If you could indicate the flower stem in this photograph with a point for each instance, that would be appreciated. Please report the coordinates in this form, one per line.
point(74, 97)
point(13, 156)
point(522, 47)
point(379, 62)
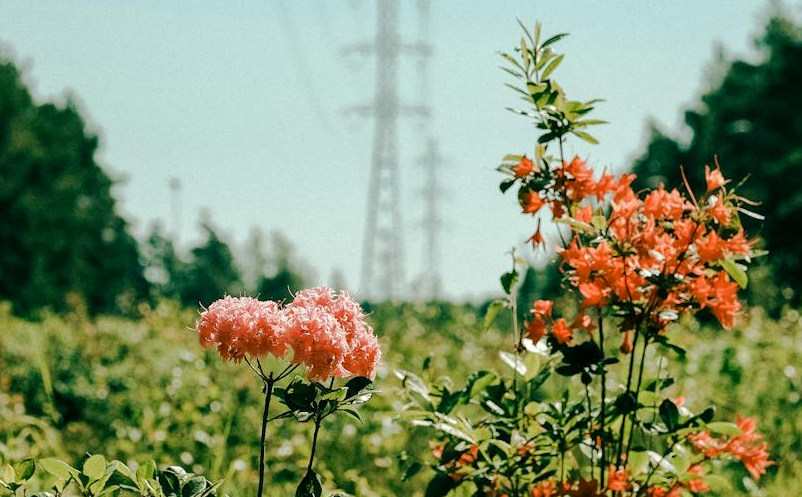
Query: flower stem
point(629, 390)
point(602, 403)
point(314, 443)
point(637, 393)
point(268, 394)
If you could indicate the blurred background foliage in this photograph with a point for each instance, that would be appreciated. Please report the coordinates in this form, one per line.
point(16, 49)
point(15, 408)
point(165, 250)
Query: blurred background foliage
point(97, 354)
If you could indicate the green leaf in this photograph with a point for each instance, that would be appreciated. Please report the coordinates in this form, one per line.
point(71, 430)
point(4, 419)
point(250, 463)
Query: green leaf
point(512, 158)
point(351, 412)
point(669, 414)
point(536, 88)
point(585, 136)
point(590, 122)
point(193, 487)
point(357, 386)
point(95, 467)
point(58, 468)
point(552, 66)
point(492, 311)
point(637, 461)
point(310, 486)
point(717, 483)
point(478, 382)
point(146, 471)
point(579, 226)
point(508, 280)
point(681, 461)
point(735, 271)
point(8, 474)
point(506, 185)
point(453, 431)
point(440, 486)
point(513, 361)
point(414, 383)
point(724, 428)
point(411, 470)
point(24, 469)
point(553, 39)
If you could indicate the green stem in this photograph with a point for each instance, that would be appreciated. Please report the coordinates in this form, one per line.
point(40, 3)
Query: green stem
point(637, 393)
point(318, 419)
point(603, 403)
point(590, 427)
point(629, 390)
point(268, 395)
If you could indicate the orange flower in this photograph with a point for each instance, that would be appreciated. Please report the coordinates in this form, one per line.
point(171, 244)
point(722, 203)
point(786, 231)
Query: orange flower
point(537, 240)
point(585, 214)
point(618, 479)
point(738, 244)
point(724, 303)
point(626, 344)
point(714, 178)
point(542, 308)
point(720, 213)
point(697, 485)
point(524, 168)
point(469, 456)
point(547, 488)
point(593, 294)
point(746, 447)
point(531, 202)
point(712, 248)
point(561, 331)
point(661, 204)
point(583, 322)
point(536, 328)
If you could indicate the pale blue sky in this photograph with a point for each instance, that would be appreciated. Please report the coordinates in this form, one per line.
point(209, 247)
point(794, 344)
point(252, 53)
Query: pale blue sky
point(243, 102)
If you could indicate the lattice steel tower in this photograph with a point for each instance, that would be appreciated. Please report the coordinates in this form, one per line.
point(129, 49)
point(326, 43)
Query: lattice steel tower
point(382, 276)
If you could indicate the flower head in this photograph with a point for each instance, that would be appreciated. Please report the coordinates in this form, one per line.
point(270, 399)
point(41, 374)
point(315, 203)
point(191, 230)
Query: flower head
point(240, 326)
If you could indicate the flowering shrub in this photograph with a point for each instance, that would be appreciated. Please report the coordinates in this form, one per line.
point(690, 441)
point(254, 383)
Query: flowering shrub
point(326, 332)
point(634, 263)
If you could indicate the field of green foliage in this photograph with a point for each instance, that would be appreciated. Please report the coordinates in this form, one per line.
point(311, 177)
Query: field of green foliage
point(144, 389)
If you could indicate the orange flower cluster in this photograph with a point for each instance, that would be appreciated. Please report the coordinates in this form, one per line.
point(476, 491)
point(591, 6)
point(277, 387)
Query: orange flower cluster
point(467, 458)
point(655, 256)
point(745, 447)
point(561, 331)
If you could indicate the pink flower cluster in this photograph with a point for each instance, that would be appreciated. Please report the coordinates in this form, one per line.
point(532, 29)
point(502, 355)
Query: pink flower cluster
point(327, 332)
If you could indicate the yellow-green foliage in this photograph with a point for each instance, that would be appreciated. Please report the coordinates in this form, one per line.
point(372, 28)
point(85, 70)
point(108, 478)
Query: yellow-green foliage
point(136, 390)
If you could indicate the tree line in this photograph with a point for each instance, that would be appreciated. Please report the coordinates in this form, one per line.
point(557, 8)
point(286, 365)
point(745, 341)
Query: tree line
point(63, 243)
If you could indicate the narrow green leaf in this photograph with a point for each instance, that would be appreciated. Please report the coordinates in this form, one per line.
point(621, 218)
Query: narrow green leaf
point(554, 39)
point(552, 66)
point(492, 311)
point(724, 428)
point(585, 136)
point(735, 271)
